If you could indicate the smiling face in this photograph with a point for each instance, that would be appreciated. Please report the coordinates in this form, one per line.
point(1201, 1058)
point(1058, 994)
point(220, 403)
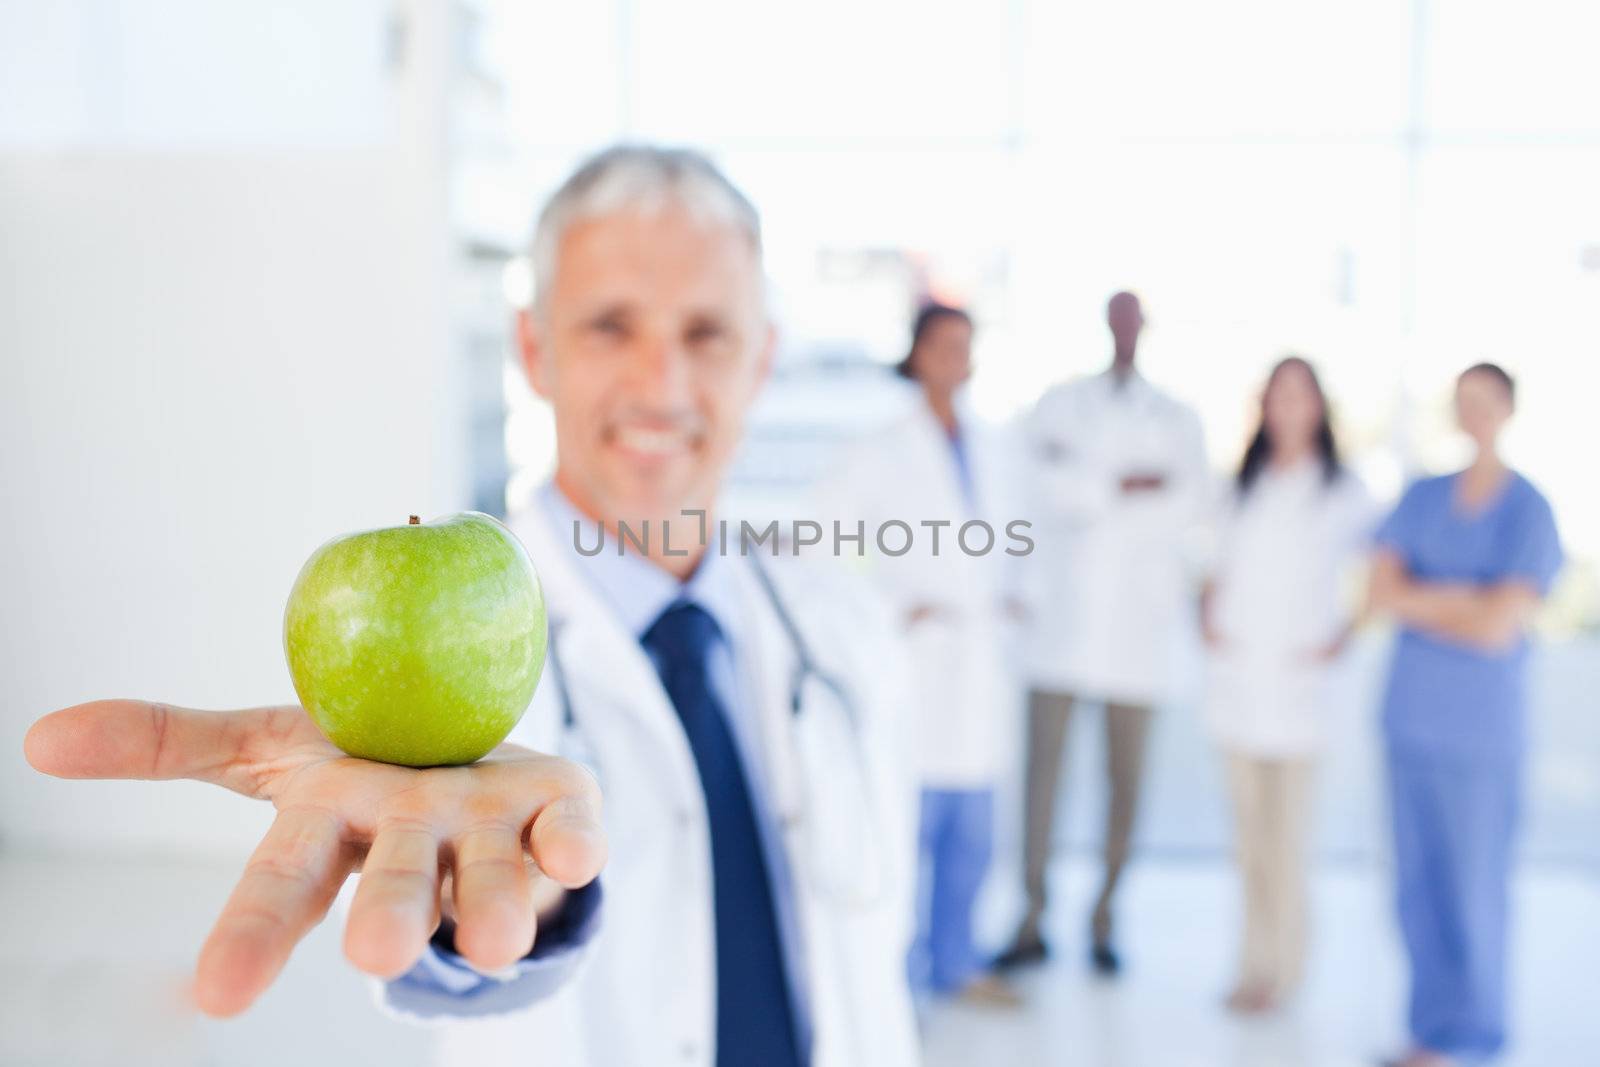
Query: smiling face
point(650, 343)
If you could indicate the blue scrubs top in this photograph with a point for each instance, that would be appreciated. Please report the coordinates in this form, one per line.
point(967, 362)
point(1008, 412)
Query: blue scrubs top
point(1445, 698)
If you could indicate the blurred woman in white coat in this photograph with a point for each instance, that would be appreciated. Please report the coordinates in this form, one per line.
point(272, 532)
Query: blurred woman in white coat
point(942, 473)
point(1276, 614)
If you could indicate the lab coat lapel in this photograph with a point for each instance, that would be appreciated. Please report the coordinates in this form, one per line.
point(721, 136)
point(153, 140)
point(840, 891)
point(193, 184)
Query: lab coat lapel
point(770, 671)
point(601, 660)
point(936, 465)
point(773, 661)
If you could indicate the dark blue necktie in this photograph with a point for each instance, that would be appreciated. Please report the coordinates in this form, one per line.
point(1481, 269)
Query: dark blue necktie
point(755, 1019)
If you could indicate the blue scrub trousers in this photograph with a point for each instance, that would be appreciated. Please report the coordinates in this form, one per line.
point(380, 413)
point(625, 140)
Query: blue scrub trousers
point(956, 840)
point(1455, 821)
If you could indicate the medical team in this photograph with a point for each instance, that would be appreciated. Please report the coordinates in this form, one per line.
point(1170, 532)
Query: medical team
point(787, 769)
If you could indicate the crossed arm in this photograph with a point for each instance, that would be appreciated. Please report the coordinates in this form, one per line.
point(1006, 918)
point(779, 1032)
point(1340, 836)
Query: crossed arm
point(491, 844)
point(1489, 617)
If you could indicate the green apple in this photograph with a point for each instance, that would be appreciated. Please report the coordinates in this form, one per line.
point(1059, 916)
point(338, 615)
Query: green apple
point(419, 644)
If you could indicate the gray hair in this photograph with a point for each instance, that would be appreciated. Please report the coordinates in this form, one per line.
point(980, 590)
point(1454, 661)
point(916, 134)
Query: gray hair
point(641, 178)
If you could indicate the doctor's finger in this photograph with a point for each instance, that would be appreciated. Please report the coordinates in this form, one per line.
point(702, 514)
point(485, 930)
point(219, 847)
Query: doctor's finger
point(286, 889)
point(140, 739)
point(568, 841)
point(492, 896)
point(396, 906)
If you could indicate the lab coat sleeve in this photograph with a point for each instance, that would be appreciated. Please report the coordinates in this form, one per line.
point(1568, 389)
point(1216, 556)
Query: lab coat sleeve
point(1066, 483)
point(859, 494)
point(842, 496)
point(1360, 515)
point(877, 667)
point(442, 985)
point(888, 741)
point(1213, 542)
point(1193, 492)
point(1192, 485)
point(1009, 512)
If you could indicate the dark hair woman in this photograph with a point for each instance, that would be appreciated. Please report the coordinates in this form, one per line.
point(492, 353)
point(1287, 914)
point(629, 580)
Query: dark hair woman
point(1274, 619)
point(1293, 391)
point(940, 361)
point(930, 322)
point(938, 465)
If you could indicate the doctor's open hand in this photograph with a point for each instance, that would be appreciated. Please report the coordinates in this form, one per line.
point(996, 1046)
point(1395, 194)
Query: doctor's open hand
point(493, 826)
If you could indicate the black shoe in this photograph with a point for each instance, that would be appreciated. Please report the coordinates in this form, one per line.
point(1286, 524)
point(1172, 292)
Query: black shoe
point(1021, 954)
point(1104, 959)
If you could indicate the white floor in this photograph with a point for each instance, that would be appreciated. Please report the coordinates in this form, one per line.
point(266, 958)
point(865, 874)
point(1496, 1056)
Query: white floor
point(95, 955)
point(1177, 922)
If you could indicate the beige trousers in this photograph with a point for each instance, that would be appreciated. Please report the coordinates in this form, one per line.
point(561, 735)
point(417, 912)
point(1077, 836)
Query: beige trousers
point(1271, 803)
point(1127, 727)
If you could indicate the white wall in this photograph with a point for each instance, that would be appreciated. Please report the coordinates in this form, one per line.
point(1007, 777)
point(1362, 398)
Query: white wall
point(211, 360)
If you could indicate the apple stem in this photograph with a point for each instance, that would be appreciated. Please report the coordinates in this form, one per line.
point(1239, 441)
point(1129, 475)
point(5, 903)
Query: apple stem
point(415, 521)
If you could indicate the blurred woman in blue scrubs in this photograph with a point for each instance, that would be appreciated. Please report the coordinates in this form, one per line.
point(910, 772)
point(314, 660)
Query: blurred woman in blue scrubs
point(1462, 563)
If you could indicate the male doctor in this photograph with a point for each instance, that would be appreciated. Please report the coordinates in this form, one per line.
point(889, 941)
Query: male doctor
point(755, 908)
point(1119, 476)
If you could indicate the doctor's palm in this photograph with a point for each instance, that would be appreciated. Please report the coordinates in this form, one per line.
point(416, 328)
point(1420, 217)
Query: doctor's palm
point(494, 825)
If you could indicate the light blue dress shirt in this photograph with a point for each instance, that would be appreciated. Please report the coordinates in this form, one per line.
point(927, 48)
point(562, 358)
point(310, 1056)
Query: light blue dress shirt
point(638, 592)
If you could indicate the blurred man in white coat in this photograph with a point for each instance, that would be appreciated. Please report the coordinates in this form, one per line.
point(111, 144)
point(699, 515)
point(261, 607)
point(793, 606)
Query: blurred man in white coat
point(756, 902)
point(1118, 478)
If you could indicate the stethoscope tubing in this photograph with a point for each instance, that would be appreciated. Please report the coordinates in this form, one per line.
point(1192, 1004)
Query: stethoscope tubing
point(805, 664)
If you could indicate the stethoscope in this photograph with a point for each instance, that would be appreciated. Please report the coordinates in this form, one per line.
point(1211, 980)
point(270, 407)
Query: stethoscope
point(838, 825)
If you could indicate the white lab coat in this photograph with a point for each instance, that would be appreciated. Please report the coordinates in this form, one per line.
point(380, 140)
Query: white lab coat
point(646, 994)
point(1282, 592)
point(1109, 583)
point(965, 694)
